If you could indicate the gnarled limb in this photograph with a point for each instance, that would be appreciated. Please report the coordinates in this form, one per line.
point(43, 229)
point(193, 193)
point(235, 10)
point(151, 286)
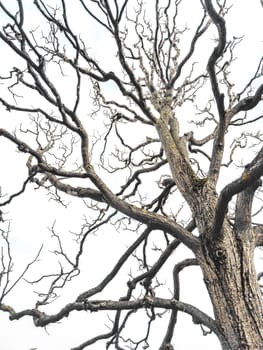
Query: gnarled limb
point(167, 340)
point(251, 175)
point(218, 145)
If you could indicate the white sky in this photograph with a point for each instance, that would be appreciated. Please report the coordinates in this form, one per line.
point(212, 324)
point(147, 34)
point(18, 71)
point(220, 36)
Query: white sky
point(30, 231)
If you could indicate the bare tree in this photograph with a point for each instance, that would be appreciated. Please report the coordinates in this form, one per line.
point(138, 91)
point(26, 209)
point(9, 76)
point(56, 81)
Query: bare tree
point(112, 129)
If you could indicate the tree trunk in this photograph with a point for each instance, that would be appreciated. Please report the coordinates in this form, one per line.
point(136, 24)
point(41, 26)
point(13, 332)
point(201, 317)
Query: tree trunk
point(226, 256)
point(230, 277)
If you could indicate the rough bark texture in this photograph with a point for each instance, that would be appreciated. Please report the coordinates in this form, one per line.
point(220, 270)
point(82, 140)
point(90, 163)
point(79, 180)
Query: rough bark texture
point(225, 257)
point(232, 284)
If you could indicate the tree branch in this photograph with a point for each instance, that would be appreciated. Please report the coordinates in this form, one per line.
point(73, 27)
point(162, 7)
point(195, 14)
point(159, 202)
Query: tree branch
point(87, 294)
point(146, 217)
point(199, 32)
point(258, 231)
point(41, 319)
point(247, 103)
point(250, 177)
point(218, 146)
point(173, 318)
point(244, 201)
point(216, 54)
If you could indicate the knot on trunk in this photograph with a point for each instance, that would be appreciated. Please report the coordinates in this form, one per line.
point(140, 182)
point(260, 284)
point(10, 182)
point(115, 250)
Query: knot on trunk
point(216, 252)
point(220, 255)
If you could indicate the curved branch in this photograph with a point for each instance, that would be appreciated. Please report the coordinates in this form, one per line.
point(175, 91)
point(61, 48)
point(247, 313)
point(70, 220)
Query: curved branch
point(22, 146)
point(81, 192)
point(218, 51)
point(247, 103)
point(14, 195)
point(94, 340)
point(11, 107)
point(142, 215)
point(154, 220)
point(148, 276)
point(216, 54)
point(250, 177)
point(41, 319)
point(173, 318)
point(199, 32)
point(50, 173)
point(85, 295)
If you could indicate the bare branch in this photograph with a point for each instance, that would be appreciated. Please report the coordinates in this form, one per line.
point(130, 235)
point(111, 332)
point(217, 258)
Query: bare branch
point(216, 54)
point(250, 177)
point(167, 340)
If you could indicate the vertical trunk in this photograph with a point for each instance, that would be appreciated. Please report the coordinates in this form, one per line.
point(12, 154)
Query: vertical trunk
point(231, 281)
point(226, 259)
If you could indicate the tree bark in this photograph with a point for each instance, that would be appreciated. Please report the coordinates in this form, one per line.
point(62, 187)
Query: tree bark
point(226, 256)
point(231, 281)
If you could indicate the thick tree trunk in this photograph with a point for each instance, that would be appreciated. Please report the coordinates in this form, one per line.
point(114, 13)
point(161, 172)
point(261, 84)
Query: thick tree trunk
point(231, 281)
point(225, 257)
